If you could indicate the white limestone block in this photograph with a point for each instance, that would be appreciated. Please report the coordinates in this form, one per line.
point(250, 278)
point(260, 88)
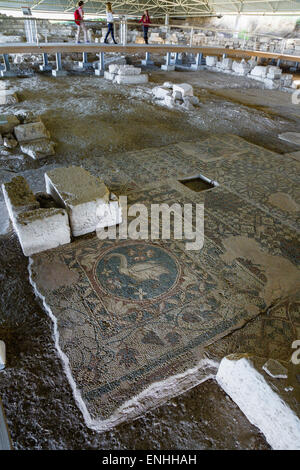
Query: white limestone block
point(259, 71)
point(272, 84)
point(184, 88)
point(32, 131)
point(129, 70)
point(266, 402)
point(18, 197)
point(83, 196)
point(131, 79)
point(38, 148)
point(2, 355)
point(113, 68)
point(211, 61)
point(42, 229)
point(8, 97)
point(160, 92)
point(241, 68)
point(109, 75)
point(177, 95)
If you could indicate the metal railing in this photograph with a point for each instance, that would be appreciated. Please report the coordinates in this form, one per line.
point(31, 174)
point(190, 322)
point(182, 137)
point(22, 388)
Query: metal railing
point(130, 32)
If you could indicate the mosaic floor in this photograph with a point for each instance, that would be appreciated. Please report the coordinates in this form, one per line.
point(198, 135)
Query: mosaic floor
point(132, 313)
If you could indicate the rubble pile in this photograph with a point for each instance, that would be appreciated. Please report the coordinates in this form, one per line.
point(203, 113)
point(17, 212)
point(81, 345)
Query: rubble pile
point(26, 132)
point(179, 96)
point(272, 76)
point(125, 74)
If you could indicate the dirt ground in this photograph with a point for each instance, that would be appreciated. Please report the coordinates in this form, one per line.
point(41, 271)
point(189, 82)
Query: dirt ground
point(89, 116)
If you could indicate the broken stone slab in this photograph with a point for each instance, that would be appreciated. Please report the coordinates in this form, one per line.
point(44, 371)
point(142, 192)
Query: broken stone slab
point(168, 85)
point(131, 79)
point(31, 131)
point(2, 355)
point(274, 72)
point(184, 88)
point(18, 197)
point(7, 123)
point(259, 71)
point(268, 403)
point(292, 137)
point(160, 92)
point(177, 95)
point(287, 79)
point(38, 149)
point(83, 195)
point(42, 229)
point(8, 97)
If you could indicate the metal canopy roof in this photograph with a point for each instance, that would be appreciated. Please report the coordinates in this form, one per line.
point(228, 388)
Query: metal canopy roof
point(183, 8)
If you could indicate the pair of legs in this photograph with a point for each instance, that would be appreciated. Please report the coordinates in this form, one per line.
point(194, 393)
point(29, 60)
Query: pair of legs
point(145, 30)
point(110, 31)
point(81, 27)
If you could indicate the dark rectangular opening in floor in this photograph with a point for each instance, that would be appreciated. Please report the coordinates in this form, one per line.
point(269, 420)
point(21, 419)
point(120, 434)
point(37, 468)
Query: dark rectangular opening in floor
point(198, 183)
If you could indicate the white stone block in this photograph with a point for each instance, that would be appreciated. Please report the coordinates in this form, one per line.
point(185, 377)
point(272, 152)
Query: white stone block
point(184, 88)
point(127, 70)
point(287, 79)
point(42, 229)
point(32, 131)
point(259, 71)
point(160, 92)
point(113, 68)
point(83, 195)
point(109, 75)
point(131, 79)
point(266, 402)
point(38, 149)
point(241, 68)
point(18, 197)
point(211, 61)
point(2, 355)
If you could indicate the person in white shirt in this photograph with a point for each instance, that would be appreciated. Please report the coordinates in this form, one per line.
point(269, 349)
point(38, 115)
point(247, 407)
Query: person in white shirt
point(79, 15)
point(110, 23)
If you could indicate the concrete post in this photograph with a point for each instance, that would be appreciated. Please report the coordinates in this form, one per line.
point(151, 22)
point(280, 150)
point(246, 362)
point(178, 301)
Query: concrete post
point(167, 66)
point(7, 72)
point(84, 64)
point(198, 64)
point(147, 60)
point(99, 72)
point(59, 72)
point(46, 66)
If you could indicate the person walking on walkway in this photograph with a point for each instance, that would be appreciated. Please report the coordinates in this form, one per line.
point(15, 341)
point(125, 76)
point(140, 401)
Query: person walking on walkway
point(146, 21)
point(110, 23)
point(79, 20)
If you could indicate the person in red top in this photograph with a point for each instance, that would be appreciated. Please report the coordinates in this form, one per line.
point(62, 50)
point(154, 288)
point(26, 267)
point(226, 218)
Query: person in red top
point(146, 21)
point(78, 16)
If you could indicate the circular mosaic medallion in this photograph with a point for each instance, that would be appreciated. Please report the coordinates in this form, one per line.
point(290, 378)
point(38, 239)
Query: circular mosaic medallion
point(137, 271)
